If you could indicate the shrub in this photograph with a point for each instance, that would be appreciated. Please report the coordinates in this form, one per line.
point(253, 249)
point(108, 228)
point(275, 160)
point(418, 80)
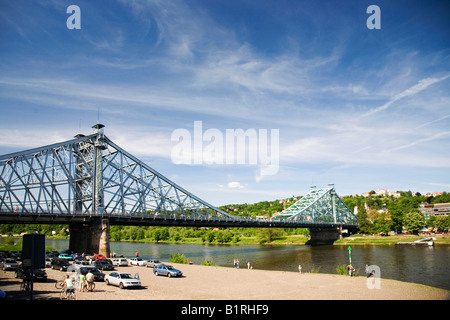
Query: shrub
point(342, 269)
point(207, 262)
point(178, 258)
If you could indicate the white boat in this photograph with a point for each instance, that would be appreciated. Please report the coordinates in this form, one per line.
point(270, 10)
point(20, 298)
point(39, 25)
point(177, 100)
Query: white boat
point(418, 242)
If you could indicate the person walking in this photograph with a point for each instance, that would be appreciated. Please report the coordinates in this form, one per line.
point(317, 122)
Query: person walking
point(350, 269)
point(82, 281)
point(368, 274)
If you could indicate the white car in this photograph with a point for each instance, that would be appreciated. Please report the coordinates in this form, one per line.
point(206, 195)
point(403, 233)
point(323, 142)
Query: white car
point(119, 262)
point(137, 262)
point(122, 279)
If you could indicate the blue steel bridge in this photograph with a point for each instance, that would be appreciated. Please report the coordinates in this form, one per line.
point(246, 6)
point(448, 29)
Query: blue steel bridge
point(89, 182)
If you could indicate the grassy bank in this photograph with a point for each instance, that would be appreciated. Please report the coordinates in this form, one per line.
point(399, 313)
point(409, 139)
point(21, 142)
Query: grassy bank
point(388, 240)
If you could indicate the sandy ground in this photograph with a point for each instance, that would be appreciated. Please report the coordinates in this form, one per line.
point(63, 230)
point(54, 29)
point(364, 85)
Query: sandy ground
point(220, 283)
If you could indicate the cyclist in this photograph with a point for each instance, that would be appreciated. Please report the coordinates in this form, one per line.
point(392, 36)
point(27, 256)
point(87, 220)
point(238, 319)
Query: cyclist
point(68, 284)
point(27, 277)
point(89, 279)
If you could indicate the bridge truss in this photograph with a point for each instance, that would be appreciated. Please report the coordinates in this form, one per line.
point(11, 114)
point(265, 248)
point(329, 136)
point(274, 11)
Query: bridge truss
point(90, 175)
point(322, 206)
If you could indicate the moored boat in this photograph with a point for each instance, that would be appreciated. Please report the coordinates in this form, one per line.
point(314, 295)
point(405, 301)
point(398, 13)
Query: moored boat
point(418, 242)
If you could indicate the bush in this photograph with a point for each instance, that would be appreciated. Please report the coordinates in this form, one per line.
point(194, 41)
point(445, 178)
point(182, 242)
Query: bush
point(342, 269)
point(314, 269)
point(207, 262)
point(178, 258)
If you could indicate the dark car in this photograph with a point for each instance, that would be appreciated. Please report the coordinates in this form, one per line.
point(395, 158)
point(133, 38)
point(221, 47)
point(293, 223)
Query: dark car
point(104, 264)
point(38, 274)
point(98, 275)
point(60, 264)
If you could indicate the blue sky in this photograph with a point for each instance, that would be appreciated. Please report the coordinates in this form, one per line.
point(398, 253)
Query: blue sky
point(363, 109)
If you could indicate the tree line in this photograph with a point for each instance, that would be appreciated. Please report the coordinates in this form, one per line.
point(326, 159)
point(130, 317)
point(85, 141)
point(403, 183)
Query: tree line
point(382, 214)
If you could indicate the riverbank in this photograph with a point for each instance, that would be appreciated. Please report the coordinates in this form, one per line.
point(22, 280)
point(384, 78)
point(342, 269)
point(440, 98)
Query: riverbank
point(222, 283)
point(440, 239)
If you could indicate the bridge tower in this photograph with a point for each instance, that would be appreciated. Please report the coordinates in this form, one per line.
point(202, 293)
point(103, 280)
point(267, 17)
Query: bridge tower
point(92, 236)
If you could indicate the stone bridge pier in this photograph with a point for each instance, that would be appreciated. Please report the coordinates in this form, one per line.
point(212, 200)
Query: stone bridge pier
point(90, 237)
point(321, 236)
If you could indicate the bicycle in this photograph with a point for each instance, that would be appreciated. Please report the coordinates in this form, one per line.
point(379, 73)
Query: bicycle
point(59, 284)
point(90, 286)
point(69, 295)
point(25, 285)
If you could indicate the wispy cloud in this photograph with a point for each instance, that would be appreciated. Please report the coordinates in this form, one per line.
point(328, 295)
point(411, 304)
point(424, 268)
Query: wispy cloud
point(420, 141)
point(422, 85)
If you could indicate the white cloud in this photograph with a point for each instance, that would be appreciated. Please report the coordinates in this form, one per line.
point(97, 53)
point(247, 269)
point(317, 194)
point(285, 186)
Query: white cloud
point(235, 185)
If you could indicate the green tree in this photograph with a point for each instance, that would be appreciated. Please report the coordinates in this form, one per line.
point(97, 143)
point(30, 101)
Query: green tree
point(268, 234)
point(210, 236)
point(414, 221)
point(381, 224)
point(442, 223)
point(397, 215)
point(364, 224)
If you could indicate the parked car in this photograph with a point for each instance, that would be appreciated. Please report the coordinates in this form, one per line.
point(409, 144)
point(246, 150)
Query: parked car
point(98, 256)
point(9, 264)
point(38, 274)
point(166, 270)
point(98, 275)
point(122, 279)
point(152, 262)
point(48, 262)
point(60, 264)
point(137, 262)
point(120, 262)
point(104, 264)
point(81, 263)
point(65, 256)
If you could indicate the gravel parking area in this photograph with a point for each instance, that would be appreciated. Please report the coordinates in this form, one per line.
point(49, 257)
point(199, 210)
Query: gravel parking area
point(216, 283)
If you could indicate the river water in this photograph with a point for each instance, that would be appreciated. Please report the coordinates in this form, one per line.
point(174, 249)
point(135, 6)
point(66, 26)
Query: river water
point(425, 265)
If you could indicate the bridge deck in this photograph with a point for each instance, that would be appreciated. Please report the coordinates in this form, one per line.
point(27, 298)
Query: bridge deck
point(161, 220)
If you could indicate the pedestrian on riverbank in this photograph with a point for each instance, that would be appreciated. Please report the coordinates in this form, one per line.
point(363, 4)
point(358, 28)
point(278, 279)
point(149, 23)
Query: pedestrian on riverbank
point(368, 274)
point(350, 269)
point(300, 268)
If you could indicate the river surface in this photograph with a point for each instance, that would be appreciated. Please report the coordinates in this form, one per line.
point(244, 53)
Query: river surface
point(425, 265)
